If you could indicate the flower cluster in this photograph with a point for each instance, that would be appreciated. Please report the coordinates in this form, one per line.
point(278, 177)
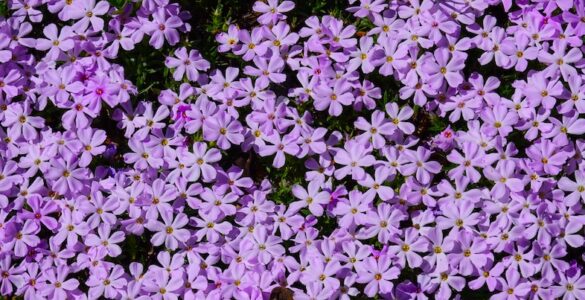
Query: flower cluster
point(105, 194)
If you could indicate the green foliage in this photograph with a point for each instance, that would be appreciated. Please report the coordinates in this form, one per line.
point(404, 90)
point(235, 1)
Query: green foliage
point(3, 8)
point(118, 3)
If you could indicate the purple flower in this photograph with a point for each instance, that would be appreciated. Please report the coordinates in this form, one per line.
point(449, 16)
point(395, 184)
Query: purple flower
point(92, 143)
point(143, 157)
point(407, 249)
point(463, 180)
point(163, 285)
point(202, 160)
point(287, 221)
point(252, 45)
point(513, 286)
point(272, 11)
point(211, 227)
point(561, 59)
point(577, 188)
point(279, 146)
point(490, 276)
point(160, 195)
point(216, 203)
point(354, 157)
point(263, 246)
point(499, 120)
point(163, 27)
point(18, 117)
point(55, 284)
point(310, 197)
point(353, 211)
point(106, 239)
point(40, 211)
point(171, 231)
point(420, 165)
point(383, 223)
point(11, 275)
point(459, 217)
point(362, 56)
point(322, 273)
point(107, 284)
point(224, 130)
point(229, 39)
point(376, 130)
point(377, 274)
point(190, 63)
point(66, 176)
point(88, 12)
point(447, 281)
point(20, 238)
point(71, 228)
point(333, 97)
point(542, 89)
point(440, 67)
point(267, 70)
point(56, 43)
point(503, 177)
point(397, 116)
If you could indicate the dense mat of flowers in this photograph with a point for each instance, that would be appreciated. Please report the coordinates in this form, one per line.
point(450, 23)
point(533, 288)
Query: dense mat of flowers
point(492, 205)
